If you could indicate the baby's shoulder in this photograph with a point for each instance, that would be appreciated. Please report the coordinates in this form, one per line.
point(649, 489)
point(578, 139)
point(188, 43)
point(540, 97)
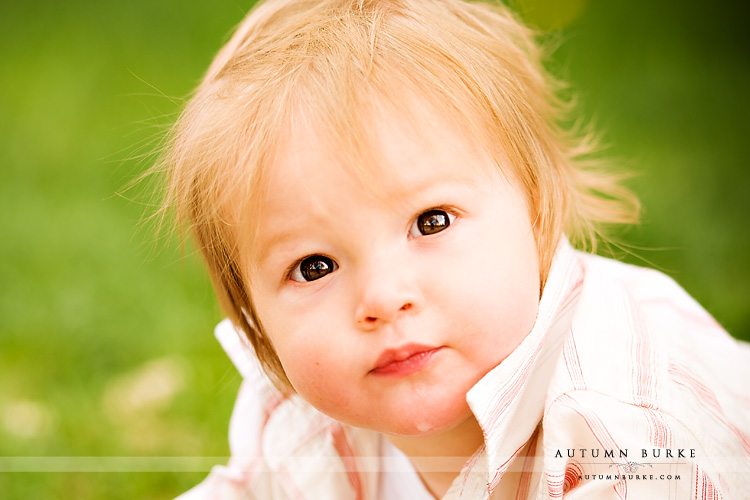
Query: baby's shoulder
point(622, 303)
point(649, 288)
point(640, 349)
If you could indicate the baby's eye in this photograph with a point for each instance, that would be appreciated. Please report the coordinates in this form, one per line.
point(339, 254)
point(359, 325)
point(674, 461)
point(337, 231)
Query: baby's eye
point(431, 222)
point(313, 268)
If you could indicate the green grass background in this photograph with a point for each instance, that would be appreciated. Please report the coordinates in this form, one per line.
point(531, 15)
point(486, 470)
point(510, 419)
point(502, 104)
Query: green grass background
point(91, 305)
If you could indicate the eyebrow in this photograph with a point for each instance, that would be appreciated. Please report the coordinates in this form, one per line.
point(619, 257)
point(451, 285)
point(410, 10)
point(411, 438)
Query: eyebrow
point(277, 239)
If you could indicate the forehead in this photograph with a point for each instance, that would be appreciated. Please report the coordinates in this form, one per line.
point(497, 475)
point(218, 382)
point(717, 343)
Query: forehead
point(382, 147)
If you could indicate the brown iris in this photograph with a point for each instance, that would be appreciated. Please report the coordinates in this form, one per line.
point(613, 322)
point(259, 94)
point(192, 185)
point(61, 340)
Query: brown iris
point(432, 222)
point(315, 267)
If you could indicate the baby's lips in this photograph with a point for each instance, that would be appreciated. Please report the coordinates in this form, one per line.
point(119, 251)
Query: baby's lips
point(403, 360)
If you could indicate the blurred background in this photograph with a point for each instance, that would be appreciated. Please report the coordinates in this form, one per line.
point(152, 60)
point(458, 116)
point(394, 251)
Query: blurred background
point(106, 345)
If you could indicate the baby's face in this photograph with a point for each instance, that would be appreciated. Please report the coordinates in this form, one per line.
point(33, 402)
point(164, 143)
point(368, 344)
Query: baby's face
point(386, 304)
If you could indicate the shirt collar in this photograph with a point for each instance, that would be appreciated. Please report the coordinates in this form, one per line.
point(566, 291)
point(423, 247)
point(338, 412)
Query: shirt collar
point(509, 401)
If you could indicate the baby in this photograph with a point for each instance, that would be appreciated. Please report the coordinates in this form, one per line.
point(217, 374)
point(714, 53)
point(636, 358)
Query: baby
point(384, 198)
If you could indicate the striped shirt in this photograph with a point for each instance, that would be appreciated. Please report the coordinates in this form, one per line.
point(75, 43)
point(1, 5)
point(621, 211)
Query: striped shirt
point(624, 389)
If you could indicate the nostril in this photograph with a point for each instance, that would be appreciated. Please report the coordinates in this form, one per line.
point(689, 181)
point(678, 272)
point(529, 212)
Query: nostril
point(383, 314)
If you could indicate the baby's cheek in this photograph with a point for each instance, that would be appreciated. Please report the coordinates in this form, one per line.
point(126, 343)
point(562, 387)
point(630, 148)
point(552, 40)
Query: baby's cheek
point(302, 366)
point(315, 378)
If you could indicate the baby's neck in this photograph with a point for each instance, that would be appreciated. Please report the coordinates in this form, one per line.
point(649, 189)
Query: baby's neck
point(439, 458)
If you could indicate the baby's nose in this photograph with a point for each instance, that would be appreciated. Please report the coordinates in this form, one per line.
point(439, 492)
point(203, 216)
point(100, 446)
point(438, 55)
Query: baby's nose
point(385, 298)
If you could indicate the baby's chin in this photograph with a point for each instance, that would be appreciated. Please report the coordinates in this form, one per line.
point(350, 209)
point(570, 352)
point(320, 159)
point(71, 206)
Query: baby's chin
point(413, 410)
point(429, 420)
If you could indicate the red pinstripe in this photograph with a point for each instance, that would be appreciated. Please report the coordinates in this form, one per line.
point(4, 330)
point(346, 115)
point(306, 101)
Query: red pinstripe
point(272, 405)
point(704, 487)
point(707, 399)
point(573, 363)
point(469, 466)
point(600, 432)
point(504, 467)
point(348, 456)
point(644, 369)
point(642, 359)
point(660, 433)
point(701, 319)
point(290, 484)
point(572, 474)
point(696, 482)
point(524, 482)
point(555, 484)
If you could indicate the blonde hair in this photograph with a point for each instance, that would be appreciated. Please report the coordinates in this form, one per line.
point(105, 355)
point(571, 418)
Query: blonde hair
point(476, 63)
